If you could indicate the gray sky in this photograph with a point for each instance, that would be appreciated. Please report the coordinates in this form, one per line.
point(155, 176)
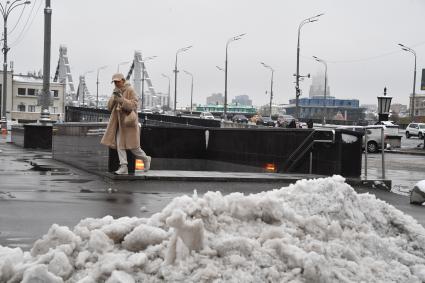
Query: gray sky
point(357, 38)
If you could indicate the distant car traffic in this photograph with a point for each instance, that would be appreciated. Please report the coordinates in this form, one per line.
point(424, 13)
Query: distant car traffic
point(284, 120)
point(415, 129)
point(147, 111)
point(255, 119)
point(240, 119)
point(206, 115)
point(267, 121)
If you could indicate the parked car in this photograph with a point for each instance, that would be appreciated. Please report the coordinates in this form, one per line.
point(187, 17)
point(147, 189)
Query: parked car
point(267, 121)
point(415, 129)
point(147, 111)
point(206, 115)
point(284, 120)
point(240, 119)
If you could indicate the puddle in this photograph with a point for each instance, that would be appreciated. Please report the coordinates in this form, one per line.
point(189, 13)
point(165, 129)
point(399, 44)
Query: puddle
point(6, 195)
point(72, 181)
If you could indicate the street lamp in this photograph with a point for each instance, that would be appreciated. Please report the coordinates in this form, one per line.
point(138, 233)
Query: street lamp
point(84, 91)
point(191, 91)
point(326, 80)
point(120, 64)
point(297, 75)
point(169, 84)
point(184, 49)
point(97, 84)
point(384, 105)
point(143, 78)
point(225, 73)
point(271, 85)
point(408, 49)
point(5, 11)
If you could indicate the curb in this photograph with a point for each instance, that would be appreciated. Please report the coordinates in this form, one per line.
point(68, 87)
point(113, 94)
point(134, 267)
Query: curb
point(406, 152)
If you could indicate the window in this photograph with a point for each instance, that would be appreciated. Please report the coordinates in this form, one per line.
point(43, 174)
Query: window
point(31, 108)
point(55, 109)
point(55, 93)
point(31, 91)
point(22, 91)
point(21, 107)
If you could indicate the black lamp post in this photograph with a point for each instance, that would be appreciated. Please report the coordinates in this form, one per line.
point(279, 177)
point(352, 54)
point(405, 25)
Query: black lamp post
point(384, 103)
point(5, 11)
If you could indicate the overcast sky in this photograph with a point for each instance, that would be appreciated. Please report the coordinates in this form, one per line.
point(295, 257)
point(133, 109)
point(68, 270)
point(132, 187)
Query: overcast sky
point(357, 38)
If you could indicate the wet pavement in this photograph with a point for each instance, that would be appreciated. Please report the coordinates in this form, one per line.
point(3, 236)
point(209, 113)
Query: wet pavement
point(34, 198)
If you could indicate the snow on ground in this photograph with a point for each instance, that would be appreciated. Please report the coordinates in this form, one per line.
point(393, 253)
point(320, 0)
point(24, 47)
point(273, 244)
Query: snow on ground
point(314, 231)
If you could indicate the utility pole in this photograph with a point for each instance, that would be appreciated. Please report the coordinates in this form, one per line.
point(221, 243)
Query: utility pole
point(45, 98)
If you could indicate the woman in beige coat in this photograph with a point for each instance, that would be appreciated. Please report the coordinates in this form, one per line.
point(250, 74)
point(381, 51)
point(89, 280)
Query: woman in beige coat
point(123, 133)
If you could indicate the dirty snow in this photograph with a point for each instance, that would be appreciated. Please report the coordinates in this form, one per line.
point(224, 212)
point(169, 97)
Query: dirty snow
point(421, 185)
point(346, 138)
point(314, 231)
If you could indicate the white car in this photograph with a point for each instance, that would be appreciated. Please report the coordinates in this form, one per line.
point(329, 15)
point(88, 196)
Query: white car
point(206, 115)
point(415, 129)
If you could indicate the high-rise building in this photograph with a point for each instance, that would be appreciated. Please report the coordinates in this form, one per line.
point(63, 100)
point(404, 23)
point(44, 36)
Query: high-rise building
point(317, 88)
point(215, 99)
point(242, 100)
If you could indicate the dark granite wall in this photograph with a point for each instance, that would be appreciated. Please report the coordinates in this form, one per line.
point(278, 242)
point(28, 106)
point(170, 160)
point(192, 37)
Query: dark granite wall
point(217, 149)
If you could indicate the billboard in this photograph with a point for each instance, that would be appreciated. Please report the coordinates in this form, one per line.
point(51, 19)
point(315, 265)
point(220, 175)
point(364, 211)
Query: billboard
point(423, 80)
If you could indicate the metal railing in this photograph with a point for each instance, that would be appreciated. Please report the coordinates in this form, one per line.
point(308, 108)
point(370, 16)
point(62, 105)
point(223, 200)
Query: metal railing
point(305, 147)
point(382, 148)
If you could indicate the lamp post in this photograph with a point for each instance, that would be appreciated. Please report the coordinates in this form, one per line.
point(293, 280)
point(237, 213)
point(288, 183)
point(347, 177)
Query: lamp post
point(225, 72)
point(384, 105)
point(191, 91)
point(297, 75)
point(84, 91)
point(220, 68)
point(5, 11)
point(120, 64)
point(143, 78)
point(326, 80)
point(169, 84)
point(97, 84)
point(271, 86)
point(184, 49)
point(45, 97)
point(408, 49)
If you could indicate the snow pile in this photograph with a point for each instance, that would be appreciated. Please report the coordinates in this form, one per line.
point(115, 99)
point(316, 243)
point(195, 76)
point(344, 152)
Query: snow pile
point(346, 138)
point(421, 185)
point(314, 231)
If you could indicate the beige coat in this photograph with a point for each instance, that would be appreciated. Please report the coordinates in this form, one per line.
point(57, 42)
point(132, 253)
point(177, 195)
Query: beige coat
point(120, 107)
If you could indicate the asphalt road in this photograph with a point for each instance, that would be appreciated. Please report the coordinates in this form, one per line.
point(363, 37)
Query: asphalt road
point(31, 200)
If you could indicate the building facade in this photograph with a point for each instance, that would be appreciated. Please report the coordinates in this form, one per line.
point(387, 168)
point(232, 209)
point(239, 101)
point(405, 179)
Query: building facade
point(22, 98)
point(231, 109)
point(242, 100)
point(419, 104)
point(314, 108)
point(215, 99)
point(317, 87)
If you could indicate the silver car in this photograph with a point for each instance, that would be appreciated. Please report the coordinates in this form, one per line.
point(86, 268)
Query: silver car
point(415, 129)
